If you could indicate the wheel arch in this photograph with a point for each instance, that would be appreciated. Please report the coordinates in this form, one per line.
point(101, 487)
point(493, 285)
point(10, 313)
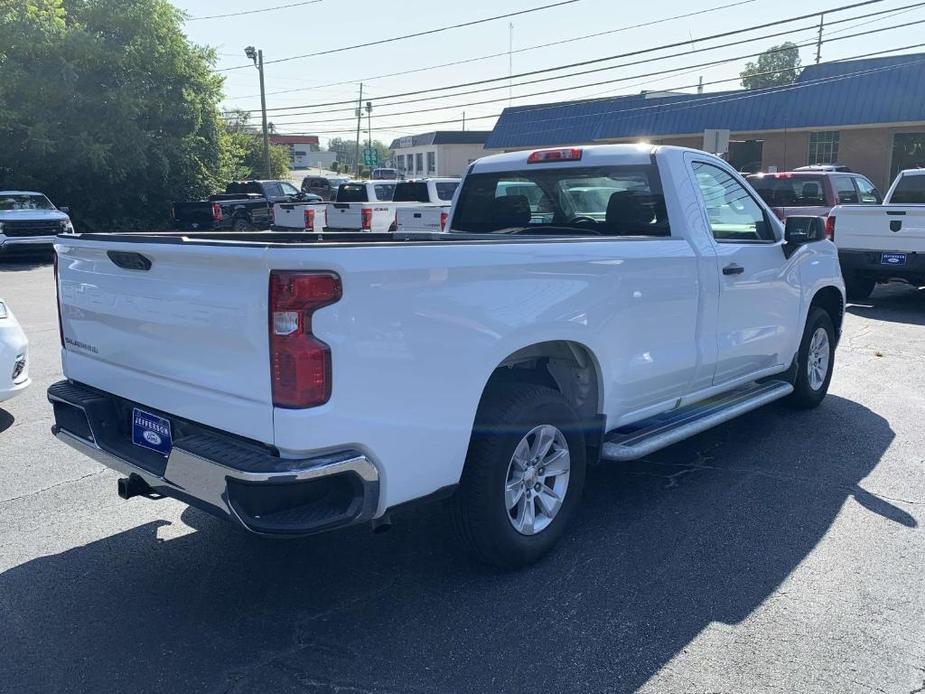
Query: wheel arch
point(566, 366)
point(831, 300)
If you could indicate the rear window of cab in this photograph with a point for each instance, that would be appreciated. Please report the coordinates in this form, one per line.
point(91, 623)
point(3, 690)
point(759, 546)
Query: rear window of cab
point(591, 201)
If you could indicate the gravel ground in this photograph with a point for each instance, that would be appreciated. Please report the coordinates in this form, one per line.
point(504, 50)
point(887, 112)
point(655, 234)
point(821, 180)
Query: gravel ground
point(781, 552)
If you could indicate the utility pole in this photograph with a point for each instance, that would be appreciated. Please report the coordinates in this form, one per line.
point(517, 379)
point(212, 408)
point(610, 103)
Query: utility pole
point(464, 121)
point(819, 40)
point(257, 57)
point(700, 85)
point(359, 121)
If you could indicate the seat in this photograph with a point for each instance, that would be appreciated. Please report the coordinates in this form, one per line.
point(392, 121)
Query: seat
point(627, 216)
point(812, 192)
point(510, 211)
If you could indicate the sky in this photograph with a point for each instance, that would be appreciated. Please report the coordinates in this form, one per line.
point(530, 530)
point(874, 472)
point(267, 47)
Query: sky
point(310, 83)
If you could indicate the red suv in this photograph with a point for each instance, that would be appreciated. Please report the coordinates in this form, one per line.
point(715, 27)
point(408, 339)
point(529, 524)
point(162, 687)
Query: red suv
point(813, 193)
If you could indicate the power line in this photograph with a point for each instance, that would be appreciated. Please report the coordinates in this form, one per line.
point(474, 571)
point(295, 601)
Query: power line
point(700, 100)
point(896, 11)
point(265, 9)
point(595, 70)
point(675, 44)
point(625, 79)
point(465, 61)
point(409, 36)
point(575, 74)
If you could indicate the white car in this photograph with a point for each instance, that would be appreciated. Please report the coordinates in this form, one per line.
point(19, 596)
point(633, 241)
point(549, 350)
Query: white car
point(294, 383)
point(14, 348)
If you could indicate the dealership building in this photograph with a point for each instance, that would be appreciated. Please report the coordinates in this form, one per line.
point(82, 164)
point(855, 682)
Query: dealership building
point(866, 114)
point(440, 153)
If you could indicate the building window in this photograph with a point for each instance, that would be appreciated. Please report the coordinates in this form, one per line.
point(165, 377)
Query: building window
point(908, 152)
point(431, 162)
point(419, 162)
point(823, 147)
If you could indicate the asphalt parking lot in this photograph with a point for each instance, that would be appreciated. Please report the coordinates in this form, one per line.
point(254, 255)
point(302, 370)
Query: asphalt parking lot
point(782, 552)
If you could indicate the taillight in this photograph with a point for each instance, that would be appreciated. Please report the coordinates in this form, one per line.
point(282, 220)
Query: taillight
point(830, 228)
point(366, 219)
point(300, 363)
point(309, 220)
point(545, 155)
point(58, 299)
point(216, 212)
point(444, 216)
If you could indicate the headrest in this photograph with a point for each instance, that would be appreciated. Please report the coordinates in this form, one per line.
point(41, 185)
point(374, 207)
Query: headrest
point(510, 211)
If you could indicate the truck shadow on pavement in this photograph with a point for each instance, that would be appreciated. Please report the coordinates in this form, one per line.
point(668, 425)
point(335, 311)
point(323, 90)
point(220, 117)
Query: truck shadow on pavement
point(703, 532)
point(894, 303)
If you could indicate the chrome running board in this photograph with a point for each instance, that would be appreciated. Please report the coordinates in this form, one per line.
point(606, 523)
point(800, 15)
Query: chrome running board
point(645, 437)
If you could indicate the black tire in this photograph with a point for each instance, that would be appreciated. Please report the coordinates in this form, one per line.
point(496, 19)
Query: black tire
point(479, 511)
point(859, 288)
point(804, 396)
point(241, 224)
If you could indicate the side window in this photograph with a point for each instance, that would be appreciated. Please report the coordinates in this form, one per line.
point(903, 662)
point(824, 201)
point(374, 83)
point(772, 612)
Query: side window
point(734, 214)
point(845, 192)
point(868, 192)
point(289, 189)
point(273, 190)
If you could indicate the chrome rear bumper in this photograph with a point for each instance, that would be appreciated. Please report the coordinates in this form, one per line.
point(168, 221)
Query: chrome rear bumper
point(238, 480)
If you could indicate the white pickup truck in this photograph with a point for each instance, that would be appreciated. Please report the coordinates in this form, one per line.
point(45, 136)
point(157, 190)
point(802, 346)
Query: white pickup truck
point(362, 206)
point(426, 204)
point(293, 383)
point(291, 216)
point(879, 243)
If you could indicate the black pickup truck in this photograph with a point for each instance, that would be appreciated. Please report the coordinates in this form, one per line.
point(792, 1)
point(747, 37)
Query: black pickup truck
point(244, 206)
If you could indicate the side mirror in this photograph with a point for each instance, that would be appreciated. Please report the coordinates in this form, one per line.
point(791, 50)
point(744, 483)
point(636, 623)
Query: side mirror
point(800, 230)
point(65, 210)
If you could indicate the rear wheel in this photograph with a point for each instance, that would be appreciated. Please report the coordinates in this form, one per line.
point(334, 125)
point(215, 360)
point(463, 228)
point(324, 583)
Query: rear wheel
point(814, 361)
point(523, 476)
point(241, 224)
point(859, 288)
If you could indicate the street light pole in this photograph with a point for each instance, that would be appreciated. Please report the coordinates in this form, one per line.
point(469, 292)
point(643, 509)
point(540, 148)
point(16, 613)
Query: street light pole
point(359, 121)
point(369, 126)
point(257, 57)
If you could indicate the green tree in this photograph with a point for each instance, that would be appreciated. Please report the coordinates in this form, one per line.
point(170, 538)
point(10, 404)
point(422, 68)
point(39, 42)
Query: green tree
point(777, 66)
point(107, 107)
point(242, 148)
point(346, 151)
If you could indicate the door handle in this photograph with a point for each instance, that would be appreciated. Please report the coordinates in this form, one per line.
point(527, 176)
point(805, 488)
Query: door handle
point(733, 269)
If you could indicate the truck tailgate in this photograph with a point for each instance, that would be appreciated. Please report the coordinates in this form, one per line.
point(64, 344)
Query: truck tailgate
point(880, 228)
point(346, 215)
point(426, 217)
point(177, 328)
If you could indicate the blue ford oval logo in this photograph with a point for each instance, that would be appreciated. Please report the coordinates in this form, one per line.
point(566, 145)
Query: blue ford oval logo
point(152, 438)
